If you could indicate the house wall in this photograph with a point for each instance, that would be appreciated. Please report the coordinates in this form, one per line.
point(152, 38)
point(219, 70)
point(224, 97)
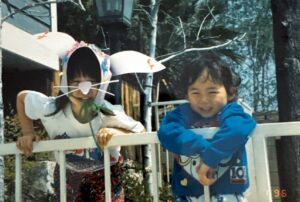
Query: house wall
point(19, 72)
point(130, 97)
point(131, 100)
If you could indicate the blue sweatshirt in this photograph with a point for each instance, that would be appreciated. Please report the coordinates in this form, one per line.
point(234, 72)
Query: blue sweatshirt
point(225, 151)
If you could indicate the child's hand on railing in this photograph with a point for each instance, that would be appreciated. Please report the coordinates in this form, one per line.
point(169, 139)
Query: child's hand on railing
point(104, 135)
point(206, 174)
point(25, 143)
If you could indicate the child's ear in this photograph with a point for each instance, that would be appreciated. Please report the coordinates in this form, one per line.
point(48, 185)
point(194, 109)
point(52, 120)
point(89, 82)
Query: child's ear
point(231, 97)
point(233, 93)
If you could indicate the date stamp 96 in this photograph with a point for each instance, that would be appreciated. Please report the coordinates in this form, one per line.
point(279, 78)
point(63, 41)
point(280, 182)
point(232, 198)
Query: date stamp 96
point(279, 193)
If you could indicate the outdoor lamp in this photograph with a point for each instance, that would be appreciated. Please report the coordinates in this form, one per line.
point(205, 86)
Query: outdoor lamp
point(114, 11)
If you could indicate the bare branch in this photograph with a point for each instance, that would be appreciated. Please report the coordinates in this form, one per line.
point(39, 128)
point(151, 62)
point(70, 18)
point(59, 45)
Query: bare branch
point(210, 11)
point(104, 37)
point(144, 11)
point(200, 28)
point(139, 82)
point(79, 4)
point(202, 49)
point(168, 54)
point(183, 33)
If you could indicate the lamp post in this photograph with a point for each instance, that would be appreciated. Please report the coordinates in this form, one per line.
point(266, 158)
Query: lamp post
point(115, 17)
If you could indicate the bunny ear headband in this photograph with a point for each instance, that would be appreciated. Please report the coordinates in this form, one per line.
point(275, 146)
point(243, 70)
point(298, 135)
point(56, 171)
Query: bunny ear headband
point(119, 63)
point(64, 46)
point(84, 87)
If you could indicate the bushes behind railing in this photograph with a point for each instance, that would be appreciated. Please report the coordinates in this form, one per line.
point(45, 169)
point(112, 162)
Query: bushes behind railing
point(35, 168)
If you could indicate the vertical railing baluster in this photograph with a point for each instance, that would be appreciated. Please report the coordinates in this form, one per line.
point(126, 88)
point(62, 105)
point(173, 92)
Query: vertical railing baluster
point(159, 166)
point(263, 184)
point(167, 154)
point(158, 148)
point(18, 178)
point(62, 176)
point(107, 175)
point(168, 166)
point(154, 173)
point(206, 194)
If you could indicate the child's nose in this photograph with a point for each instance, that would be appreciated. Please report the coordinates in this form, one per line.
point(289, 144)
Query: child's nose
point(85, 87)
point(203, 100)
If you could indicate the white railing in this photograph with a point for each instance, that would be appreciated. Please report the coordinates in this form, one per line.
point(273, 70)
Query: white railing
point(259, 173)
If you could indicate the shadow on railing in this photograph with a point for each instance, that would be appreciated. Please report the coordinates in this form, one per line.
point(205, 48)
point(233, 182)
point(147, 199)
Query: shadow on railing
point(260, 188)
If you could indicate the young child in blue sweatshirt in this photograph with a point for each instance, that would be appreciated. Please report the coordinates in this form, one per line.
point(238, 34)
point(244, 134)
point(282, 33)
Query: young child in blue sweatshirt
point(211, 89)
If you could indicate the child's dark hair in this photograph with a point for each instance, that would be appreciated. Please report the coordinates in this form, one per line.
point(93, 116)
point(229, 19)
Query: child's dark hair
point(82, 61)
point(217, 70)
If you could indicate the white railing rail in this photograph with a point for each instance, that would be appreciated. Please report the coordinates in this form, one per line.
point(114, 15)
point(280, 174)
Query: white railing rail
point(259, 151)
point(62, 145)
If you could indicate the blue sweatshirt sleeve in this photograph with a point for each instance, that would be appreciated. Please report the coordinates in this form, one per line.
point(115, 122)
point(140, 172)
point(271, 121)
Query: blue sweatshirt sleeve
point(235, 128)
point(176, 138)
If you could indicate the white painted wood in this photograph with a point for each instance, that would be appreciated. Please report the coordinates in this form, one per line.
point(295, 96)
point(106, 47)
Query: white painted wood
point(24, 44)
point(62, 175)
point(154, 174)
point(107, 179)
point(174, 102)
point(168, 166)
point(206, 194)
point(259, 171)
point(53, 11)
point(251, 193)
point(261, 168)
point(160, 175)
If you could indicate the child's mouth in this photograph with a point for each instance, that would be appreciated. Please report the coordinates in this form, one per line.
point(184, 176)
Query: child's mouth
point(206, 109)
point(84, 100)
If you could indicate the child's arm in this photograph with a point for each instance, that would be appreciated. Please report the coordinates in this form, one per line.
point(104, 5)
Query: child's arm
point(25, 142)
point(235, 128)
point(120, 124)
point(175, 137)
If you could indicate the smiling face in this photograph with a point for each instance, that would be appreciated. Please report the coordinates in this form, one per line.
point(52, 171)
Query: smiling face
point(207, 97)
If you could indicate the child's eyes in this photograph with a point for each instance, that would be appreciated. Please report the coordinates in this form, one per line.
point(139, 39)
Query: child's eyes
point(213, 92)
point(76, 83)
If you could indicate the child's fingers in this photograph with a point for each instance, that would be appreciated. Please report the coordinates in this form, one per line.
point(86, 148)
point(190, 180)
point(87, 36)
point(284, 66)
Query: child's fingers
point(25, 145)
point(108, 137)
point(37, 138)
point(204, 180)
point(104, 136)
point(103, 140)
point(205, 174)
point(211, 174)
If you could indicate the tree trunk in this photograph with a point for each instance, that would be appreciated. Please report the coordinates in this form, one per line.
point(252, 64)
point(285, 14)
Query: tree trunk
point(1, 115)
point(148, 89)
point(286, 29)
